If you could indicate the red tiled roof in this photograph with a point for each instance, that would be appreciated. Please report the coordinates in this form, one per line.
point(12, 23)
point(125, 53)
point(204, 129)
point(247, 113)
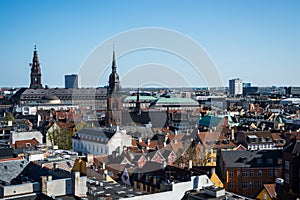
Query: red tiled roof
point(271, 190)
point(25, 143)
point(212, 137)
point(10, 159)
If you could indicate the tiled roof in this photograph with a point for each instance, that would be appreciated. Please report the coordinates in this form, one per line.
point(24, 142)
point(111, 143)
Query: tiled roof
point(215, 140)
point(95, 135)
point(142, 98)
point(65, 93)
point(11, 169)
point(66, 165)
point(293, 147)
point(270, 188)
point(24, 143)
point(234, 158)
point(176, 100)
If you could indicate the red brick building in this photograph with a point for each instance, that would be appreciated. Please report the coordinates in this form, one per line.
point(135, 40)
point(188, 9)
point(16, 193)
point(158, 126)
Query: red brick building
point(245, 172)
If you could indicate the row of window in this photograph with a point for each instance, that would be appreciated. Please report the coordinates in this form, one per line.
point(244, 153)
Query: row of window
point(251, 173)
point(246, 185)
point(89, 147)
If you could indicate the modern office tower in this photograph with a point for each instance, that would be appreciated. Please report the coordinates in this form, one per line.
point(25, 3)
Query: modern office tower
point(235, 86)
point(72, 81)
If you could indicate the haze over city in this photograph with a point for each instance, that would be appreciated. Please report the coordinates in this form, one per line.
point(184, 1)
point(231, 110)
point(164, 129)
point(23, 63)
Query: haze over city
point(257, 41)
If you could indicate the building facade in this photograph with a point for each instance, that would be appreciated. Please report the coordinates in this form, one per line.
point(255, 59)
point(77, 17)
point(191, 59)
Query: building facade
point(72, 81)
point(235, 87)
point(245, 172)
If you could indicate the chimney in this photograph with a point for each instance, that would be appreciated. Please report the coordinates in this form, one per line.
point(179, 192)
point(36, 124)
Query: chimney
point(190, 164)
point(148, 141)
point(103, 166)
point(165, 144)
point(55, 165)
point(213, 170)
point(175, 141)
point(166, 138)
point(140, 140)
point(50, 178)
point(232, 134)
point(44, 185)
point(164, 164)
point(90, 159)
point(79, 186)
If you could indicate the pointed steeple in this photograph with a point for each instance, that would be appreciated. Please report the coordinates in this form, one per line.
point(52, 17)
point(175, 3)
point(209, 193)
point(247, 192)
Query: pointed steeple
point(35, 75)
point(114, 66)
point(114, 82)
point(35, 59)
point(138, 103)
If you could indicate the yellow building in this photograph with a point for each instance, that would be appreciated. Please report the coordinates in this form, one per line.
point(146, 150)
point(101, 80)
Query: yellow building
point(267, 192)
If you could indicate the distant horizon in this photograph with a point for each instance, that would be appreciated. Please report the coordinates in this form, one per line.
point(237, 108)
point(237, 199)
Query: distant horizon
point(148, 87)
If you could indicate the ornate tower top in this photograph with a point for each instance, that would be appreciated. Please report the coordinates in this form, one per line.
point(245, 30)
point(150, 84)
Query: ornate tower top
point(35, 75)
point(114, 82)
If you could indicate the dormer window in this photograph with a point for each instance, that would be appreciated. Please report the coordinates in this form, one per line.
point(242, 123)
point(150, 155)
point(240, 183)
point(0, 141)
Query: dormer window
point(259, 161)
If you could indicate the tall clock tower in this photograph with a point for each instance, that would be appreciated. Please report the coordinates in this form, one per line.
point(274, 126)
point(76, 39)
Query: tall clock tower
point(36, 74)
point(114, 98)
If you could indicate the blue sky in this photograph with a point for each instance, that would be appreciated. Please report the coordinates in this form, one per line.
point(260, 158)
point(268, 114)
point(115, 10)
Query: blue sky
point(257, 40)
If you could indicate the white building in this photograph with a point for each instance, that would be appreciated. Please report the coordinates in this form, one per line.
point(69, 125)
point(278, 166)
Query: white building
point(48, 102)
point(25, 135)
point(98, 141)
point(235, 86)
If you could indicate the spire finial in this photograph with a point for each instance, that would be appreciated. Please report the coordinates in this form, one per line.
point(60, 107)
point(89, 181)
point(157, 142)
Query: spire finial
point(114, 60)
point(34, 47)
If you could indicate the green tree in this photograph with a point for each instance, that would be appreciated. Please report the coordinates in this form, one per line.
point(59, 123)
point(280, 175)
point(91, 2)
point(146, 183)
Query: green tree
point(9, 117)
point(61, 138)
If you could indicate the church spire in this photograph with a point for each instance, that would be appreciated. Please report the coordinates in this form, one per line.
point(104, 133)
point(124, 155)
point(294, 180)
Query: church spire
point(114, 66)
point(35, 75)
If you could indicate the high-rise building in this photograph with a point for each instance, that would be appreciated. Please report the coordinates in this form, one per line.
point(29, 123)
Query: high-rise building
point(235, 86)
point(72, 81)
point(36, 74)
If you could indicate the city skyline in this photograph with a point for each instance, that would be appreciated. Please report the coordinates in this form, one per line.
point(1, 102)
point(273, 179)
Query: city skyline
point(255, 41)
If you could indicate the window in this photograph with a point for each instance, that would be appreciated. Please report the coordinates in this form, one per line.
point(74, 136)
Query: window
point(270, 173)
point(244, 173)
point(259, 161)
point(251, 174)
point(231, 174)
point(287, 178)
point(259, 173)
point(28, 145)
point(251, 185)
point(259, 184)
point(270, 161)
point(230, 185)
point(244, 185)
point(287, 165)
point(264, 196)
